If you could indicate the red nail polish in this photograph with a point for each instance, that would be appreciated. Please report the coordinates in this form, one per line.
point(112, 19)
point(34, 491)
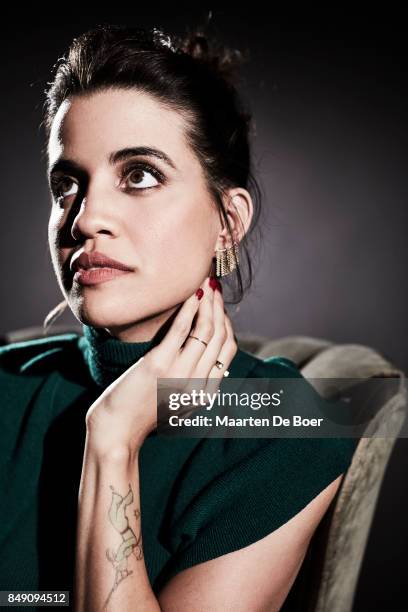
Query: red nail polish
point(213, 283)
point(219, 286)
point(199, 293)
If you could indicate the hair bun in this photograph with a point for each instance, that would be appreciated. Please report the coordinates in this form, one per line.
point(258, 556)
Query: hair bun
point(222, 59)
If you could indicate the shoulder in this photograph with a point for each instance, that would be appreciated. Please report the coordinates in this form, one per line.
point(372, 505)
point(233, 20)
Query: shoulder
point(32, 356)
point(302, 390)
point(283, 548)
point(33, 368)
point(232, 492)
point(246, 364)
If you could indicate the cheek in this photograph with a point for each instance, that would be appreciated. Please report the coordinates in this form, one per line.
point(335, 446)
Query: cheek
point(52, 239)
point(54, 223)
point(183, 238)
point(174, 240)
point(58, 254)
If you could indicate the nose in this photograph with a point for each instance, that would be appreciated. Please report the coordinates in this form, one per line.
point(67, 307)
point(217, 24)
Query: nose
point(95, 215)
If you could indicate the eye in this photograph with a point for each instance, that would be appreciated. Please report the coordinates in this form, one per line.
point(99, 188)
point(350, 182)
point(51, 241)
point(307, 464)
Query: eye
point(60, 183)
point(142, 176)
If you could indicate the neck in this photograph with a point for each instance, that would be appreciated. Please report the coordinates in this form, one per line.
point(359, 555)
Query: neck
point(144, 330)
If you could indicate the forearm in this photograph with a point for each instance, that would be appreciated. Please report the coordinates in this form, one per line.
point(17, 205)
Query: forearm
point(110, 572)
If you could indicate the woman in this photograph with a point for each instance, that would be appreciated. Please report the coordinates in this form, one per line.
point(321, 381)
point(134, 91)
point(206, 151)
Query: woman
point(152, 198)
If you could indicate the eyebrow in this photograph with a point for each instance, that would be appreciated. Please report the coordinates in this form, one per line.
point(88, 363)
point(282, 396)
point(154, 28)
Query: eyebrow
point(124, 154)
point(113, 158)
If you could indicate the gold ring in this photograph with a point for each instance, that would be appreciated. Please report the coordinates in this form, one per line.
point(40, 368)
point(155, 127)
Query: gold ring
point(195, 338)
point(219, 365)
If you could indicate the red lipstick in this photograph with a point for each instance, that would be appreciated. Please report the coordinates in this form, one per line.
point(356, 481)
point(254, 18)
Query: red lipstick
point(95, 267)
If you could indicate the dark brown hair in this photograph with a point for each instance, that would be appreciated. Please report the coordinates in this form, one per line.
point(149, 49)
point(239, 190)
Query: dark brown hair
point(191, 74)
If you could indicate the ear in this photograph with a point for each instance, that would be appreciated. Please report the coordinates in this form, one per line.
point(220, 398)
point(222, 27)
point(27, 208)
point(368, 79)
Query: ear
point(239, 209)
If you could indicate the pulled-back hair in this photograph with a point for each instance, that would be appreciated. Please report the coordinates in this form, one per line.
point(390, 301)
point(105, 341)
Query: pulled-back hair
point(191, 74)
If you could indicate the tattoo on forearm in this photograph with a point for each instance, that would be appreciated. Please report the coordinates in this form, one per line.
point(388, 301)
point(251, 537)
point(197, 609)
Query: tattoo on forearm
point(130, 543)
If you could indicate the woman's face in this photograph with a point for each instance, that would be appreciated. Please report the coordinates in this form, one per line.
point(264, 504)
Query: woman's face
point(155, 216)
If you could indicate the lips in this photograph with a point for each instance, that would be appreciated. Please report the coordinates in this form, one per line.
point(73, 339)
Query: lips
point(95, 259)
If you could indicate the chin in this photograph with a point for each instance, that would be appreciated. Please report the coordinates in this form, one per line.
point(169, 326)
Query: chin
point(119, 310)
point(102, 313)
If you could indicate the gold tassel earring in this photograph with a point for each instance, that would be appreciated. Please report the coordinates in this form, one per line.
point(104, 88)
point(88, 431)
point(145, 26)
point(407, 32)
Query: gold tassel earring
point(226, 260)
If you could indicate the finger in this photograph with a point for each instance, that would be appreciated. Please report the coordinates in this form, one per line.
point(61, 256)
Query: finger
point(166, 352)
point(219, 336)
point(203, 330)
point(223, 359)
point(195, 346)
point(226, 353)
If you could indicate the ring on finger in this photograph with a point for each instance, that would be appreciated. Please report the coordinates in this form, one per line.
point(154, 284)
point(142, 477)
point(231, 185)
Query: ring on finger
point(196, 338)
point(220, 365)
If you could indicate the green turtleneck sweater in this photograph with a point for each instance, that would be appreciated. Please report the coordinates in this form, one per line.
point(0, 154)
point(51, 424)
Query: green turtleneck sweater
point(200, 497)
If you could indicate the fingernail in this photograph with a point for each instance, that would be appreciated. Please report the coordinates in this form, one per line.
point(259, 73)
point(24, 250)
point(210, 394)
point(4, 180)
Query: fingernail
point(213, 283)
point(199, 293)
point(219, 286)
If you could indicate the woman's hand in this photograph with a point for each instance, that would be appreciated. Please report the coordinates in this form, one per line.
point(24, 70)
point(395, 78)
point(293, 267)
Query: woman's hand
point(126, 412)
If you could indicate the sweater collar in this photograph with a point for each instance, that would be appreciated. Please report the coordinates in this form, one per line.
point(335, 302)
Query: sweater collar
point(108, 357)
